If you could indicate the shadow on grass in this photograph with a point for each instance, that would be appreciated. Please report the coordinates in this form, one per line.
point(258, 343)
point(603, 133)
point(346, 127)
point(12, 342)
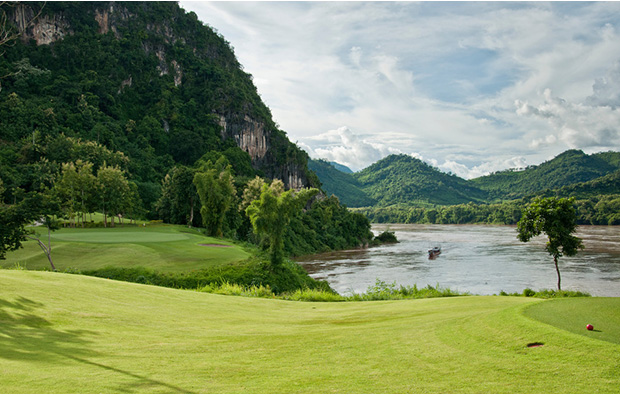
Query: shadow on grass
point(26, 336)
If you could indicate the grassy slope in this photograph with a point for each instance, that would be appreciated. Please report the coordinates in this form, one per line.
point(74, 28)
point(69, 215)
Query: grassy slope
point(162, 248)
point(68, 333)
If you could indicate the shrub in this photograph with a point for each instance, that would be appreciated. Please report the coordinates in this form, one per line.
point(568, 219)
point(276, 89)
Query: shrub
point(227, 288)
point(384, 291)
point(547, 294)
point(314, 295)
point(385, 237)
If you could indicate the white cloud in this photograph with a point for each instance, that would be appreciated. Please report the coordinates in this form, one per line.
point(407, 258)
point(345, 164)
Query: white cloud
point(579, 125)
point(470, 85)
point(345, 147)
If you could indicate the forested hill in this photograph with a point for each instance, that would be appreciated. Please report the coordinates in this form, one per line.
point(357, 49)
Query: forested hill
point(402, 179)
point(144, 80)
point(405, 181)
point(568, 168)
point(341, 184)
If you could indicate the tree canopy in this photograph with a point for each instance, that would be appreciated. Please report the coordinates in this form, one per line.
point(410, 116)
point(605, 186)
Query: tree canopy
point(271, 213)
point(556, 219)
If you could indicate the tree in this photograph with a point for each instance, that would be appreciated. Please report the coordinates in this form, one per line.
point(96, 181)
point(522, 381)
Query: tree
point(271, 213)
point(12, 228)
point(114, 190)
point(14, 218)
point(214, 183)
point(556, 218)
point(178, 196)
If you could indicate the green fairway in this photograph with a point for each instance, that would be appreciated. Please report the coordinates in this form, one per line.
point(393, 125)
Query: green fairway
point(119, 237)
point(74, 334)
point(574, 314)
point(164, 248)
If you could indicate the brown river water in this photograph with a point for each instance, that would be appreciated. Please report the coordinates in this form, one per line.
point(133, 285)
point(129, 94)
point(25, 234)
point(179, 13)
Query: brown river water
point(480, 259)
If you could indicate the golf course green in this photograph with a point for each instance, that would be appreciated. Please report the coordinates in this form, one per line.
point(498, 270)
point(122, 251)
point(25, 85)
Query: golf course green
point(166, 248)
point(75, 334)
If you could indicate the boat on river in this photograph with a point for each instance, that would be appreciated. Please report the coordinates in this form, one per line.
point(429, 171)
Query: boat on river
point(434, 252)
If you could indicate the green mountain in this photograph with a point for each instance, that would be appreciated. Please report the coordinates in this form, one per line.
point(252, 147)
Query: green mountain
point(341, 168)
point(402, 179)
point(143, 78)
point(405, 181)
point(343, 185)
point(570, 167)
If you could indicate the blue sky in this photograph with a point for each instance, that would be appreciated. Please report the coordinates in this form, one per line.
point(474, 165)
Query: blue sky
point(469, 87)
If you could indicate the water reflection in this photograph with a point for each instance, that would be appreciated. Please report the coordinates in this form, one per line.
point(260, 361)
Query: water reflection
point(481, 259)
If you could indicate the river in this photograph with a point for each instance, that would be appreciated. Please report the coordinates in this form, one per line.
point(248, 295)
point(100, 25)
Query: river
point(480, 259)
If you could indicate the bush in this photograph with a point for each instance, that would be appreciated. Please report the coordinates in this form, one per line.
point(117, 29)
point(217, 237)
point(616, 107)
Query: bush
point(239, 290)
point(384, 291)
point(385, 237)
point(314, 295)
point(547, 294)
point(253, 272)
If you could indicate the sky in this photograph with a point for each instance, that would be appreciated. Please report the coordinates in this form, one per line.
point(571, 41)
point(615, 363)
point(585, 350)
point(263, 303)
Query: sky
point(468, 87)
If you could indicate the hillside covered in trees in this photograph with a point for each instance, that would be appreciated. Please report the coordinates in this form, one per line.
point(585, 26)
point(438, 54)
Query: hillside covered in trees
point(142, 78)
point(406, 190)
point(139, 110)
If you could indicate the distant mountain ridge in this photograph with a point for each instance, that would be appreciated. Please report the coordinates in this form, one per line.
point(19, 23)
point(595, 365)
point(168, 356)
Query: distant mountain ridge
point(404, 180)
point(341, 167)
point(569, 167)
point(343, 185)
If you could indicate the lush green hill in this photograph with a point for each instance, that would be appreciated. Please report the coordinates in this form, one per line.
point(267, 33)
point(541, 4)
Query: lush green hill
point(402, 179)
point(142, 78)
point(63, 333)
point(570, 167)
point(341, 168)
point(340, 184)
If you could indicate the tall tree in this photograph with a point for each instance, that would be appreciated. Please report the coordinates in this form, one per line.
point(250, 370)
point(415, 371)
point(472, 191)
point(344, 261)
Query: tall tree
point(271, 213)
point(214, 183)
point(114, 190)
point(555, 217)
point(179, 197)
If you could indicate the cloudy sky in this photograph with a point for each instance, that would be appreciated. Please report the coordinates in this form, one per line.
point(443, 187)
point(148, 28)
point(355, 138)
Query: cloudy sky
point(469, 87)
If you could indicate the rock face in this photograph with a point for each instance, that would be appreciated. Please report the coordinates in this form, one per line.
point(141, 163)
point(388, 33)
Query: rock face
point(251, 133)
point(44, 29)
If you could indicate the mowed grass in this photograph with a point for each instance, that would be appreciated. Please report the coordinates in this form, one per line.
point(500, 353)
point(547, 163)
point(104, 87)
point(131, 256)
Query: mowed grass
point(73, 334)
point(164, 248)
point(573, 314)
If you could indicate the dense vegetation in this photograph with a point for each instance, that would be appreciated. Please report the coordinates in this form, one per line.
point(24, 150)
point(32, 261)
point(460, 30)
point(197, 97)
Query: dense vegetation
point(404, 179)
point(344, 185)
point(123, 115)
point(154, 86)
point(568, 168)
point(593, 180)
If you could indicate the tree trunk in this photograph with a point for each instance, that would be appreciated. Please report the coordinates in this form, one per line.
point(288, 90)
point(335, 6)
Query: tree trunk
point(47, 252)
point(557, 269)
point(191, 213)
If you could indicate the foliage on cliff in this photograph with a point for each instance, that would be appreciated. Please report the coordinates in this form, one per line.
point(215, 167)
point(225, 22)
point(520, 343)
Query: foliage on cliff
point(143, 78)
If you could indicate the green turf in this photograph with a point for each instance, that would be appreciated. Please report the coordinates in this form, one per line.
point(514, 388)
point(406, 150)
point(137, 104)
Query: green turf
point(162, 248)
point(119, 237)
point(573, 314)
point(74, 334)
